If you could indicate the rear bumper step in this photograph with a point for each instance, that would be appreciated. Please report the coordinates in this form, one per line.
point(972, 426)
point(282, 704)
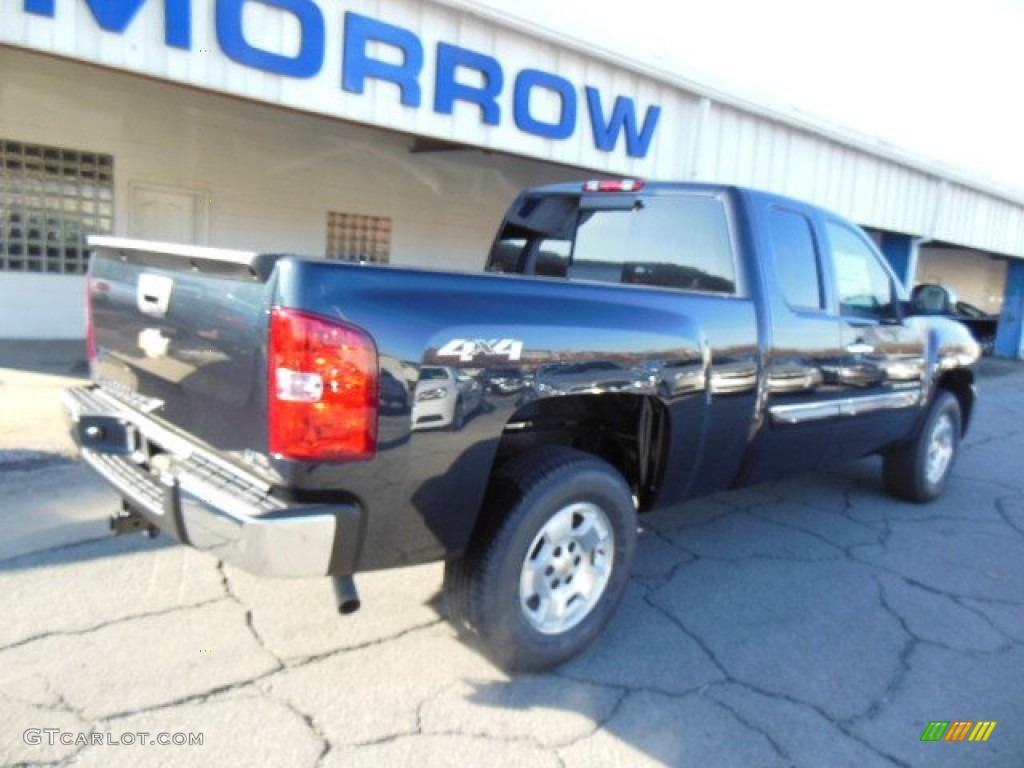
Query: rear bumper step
point(199, 499)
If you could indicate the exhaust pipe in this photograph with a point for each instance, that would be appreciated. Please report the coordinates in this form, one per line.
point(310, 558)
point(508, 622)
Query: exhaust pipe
point(345, 594)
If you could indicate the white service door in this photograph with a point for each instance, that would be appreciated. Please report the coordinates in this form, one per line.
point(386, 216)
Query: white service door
point(168, 214)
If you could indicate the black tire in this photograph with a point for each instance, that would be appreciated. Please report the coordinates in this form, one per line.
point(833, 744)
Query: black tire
point(515, 550)
point(458, 416)
point(918, 471)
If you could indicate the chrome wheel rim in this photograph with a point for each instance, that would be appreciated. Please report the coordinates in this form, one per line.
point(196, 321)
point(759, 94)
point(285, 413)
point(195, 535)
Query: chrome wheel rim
point(940, 449)
point(567, 568)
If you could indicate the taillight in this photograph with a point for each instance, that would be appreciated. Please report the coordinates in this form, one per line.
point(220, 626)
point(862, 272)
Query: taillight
point(322, 388)
point(614, 185)
point(90, 327)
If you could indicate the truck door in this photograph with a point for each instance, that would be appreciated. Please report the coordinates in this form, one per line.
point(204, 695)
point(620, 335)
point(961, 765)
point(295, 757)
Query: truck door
point(801, 393)
point(882, 367)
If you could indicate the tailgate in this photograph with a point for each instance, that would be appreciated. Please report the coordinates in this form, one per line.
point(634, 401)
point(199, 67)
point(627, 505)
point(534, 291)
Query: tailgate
point(184, 327)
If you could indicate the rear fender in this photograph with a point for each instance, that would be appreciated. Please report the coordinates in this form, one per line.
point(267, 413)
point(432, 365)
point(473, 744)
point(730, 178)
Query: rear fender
point(569, 376)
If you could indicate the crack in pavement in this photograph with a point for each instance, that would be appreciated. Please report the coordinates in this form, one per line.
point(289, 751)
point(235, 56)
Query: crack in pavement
point(233, 596)
point(307, 719)
point(309, 722)
point(650, 581)
point(55, 549)
point(62, 705)
point(663, 522)
point(928, 588)
point(193, 698)
point(624, 694)
point(903, 660)
point(958, 600)
point(111, 623)
point(597, 724)
point(1005, 515)
point(730, 678)
point(983, 441)
point(672, 693)
point(779, 750)
point(303, 661)
point(799, 528)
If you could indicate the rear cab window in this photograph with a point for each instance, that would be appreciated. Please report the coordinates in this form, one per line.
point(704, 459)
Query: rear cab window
point(797, 265)
point(670, 240)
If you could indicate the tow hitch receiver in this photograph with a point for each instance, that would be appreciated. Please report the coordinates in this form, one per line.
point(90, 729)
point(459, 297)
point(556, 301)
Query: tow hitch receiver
point(127, 520)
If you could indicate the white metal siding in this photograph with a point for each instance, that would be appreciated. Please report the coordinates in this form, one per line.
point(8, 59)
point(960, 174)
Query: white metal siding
point(736, 141)
point(272, 175)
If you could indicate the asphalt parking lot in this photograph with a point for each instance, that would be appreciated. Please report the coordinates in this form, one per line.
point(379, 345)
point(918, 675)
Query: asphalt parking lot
point(813, 622)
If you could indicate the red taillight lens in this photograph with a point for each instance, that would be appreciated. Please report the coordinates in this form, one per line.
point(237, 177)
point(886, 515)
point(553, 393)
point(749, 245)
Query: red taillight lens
point(614, 185)
point(322, 388)
point(90, 327)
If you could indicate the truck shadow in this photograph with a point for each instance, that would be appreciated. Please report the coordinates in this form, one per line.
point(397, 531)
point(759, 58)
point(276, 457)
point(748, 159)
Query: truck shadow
point(59, 358)
point(86, 542)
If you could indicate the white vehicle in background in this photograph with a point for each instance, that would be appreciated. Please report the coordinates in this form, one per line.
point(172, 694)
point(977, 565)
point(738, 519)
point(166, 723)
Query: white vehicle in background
point(444, 398)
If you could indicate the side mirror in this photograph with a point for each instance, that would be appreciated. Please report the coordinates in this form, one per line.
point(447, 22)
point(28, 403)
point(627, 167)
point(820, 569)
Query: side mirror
point(932, 300)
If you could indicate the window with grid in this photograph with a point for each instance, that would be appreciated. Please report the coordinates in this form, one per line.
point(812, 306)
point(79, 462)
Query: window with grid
point(51, 200)
point(354, 237)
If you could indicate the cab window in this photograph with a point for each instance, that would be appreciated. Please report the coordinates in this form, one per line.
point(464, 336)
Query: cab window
point(680, 241)
point(796, 259)
point(863, 286)
point(671, 241)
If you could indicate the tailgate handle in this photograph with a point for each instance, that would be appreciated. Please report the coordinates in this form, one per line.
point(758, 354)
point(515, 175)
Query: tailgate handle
point(154, 294)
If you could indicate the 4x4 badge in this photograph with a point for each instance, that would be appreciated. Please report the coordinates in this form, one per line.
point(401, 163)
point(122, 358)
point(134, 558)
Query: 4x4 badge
point(469, 349)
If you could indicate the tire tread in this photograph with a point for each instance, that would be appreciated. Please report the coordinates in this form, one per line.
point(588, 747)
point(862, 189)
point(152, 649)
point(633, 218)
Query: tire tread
point(466, 579)
point(903, 467)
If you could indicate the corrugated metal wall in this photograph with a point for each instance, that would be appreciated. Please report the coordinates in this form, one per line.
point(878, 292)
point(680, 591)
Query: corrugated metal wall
point(744, 148)
point(701, 133)
point(715, 136)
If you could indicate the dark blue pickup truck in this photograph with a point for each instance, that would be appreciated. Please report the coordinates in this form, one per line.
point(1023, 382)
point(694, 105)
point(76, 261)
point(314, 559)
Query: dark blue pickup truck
point(629, 346)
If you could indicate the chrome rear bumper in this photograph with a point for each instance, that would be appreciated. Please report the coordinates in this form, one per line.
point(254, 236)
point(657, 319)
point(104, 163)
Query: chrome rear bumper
point(204, 501)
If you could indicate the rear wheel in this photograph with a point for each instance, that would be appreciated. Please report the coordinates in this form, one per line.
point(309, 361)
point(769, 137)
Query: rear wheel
point(919, 470)
point(549, 562)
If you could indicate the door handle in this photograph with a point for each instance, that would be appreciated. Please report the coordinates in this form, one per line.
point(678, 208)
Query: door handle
point(860, 348)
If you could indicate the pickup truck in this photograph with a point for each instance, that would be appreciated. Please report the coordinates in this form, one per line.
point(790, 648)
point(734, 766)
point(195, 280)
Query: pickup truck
point(670, 340)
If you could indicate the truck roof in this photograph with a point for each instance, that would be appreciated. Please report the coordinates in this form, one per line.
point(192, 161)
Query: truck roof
point(629, 186)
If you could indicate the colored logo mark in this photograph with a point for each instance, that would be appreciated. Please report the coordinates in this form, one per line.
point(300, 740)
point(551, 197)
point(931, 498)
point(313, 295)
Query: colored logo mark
point(959, 730)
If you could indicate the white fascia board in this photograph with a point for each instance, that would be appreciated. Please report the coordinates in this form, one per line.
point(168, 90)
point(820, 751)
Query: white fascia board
point(737, 97)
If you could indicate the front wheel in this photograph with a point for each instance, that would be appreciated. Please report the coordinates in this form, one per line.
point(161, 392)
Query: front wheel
point(550, 560)
point(919, 470)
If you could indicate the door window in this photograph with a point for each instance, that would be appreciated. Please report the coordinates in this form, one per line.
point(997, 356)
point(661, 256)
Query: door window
point(862, 284)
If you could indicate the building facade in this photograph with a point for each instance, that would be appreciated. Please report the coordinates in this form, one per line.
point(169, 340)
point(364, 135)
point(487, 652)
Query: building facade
point(397, 131)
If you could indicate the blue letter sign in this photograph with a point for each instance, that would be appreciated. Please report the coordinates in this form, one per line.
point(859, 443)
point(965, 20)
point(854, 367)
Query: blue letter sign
point(357, 67)
point(534, 78)
point(448, 90)
point(116, 15)
point(540, 103)
point(311, 50)
point(606, 133)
